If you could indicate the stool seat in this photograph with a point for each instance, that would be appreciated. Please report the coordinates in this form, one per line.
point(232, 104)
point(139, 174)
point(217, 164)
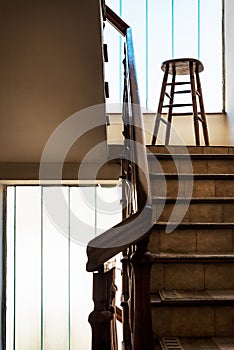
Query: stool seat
point(174, 67)
point(181, 66)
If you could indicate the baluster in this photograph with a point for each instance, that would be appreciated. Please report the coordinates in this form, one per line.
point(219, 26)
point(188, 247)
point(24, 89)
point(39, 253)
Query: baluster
point(101, 317)
point(125, 301)
point(111, 292)
point(142, 260)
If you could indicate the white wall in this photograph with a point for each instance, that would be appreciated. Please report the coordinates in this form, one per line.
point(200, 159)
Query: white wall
point(229, 32)
point(1, 257)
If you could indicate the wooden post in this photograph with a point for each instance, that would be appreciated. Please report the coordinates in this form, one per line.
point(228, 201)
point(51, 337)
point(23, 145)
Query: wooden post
point(160, 105)
point(169, 116)
point(194, 101)
point(125, 301)
point(101, 317)
point(142, 260)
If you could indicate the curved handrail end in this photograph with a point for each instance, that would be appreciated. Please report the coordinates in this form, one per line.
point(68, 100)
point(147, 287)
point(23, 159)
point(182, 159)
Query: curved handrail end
point(116, 239)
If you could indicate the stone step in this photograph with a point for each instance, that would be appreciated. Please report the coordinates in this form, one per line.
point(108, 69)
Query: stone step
point(192, 237)
point(182, 149)
point(198, 185)
point(202, 343)
point(192, 271)
point(193, 247)
point(199, 209)
point(192, 163)
point(193, 314)
point(188, 297)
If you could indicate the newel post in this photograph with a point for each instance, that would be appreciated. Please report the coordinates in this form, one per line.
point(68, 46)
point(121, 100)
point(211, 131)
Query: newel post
point(101, 317)
point(142, 333)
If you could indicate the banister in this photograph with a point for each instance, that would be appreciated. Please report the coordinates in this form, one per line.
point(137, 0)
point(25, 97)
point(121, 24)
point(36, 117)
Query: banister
point(144, 191)
point(130, 236)
point(124, 29)
point(119, 237)
point(116, 236)
point(116, 21)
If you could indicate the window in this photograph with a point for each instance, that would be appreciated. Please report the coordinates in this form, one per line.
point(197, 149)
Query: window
point(164, 29)
point(49, 293)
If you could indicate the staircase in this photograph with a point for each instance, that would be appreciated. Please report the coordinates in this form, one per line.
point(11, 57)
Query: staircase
point(192, 280)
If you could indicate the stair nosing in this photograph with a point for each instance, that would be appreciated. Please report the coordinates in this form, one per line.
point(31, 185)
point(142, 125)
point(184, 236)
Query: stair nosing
point(168, 257)
point(191, 175)
point(162, 342)
point(202, 225)
point(192, 200)
point(191, 155)
point(157, 301)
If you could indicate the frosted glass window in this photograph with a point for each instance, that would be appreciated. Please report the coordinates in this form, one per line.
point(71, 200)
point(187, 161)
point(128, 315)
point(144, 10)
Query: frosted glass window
point(163, 30)
point(49, 292)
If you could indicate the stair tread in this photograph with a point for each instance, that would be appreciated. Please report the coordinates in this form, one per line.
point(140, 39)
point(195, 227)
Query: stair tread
point(193, 256)
point(191, 155)
point(200, 343)
point(181, 149)
point(193, 176)
point(193, 199)
point(186, 225)
point(191, 295)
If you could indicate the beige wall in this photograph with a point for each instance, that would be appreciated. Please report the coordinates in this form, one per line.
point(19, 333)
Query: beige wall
point(183, 130)
point(50, 67)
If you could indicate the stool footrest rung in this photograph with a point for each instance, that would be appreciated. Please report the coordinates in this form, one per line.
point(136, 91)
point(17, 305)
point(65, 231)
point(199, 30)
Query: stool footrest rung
point(178, 105)
point(182, 114)
point(179, 83)
point(182, 92)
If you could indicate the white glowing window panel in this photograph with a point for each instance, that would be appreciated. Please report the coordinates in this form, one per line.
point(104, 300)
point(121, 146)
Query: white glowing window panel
point(49, 292)
point(163, 30)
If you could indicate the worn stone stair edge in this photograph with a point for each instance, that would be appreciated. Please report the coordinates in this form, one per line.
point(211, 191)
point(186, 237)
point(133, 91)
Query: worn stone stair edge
point(201, 343)
point(191, 149)
point(195, 297)
point(193, 257)
point(193, 199)
point(193, 225)
point(179, 156)
point(169, 176)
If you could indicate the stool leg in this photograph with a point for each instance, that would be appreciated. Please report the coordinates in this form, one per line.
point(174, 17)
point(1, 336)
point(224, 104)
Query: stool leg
point(169, 117)
point(194, 101)
point(160, 105)
point(203, 116)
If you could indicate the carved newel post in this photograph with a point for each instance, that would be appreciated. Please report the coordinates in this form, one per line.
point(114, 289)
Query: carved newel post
point(142, 333)
point(101, 317)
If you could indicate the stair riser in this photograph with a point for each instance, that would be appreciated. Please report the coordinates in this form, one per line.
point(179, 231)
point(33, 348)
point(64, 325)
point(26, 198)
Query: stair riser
point(192, 166)
point(192, 240)
point(194, 212)
point(191, 321)
point(162, 187)
point(192, 276)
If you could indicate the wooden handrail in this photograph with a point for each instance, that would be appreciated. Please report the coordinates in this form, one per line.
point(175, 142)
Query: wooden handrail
point(116, 21)
point(119, 237)
point(97, 256)
point(130, 236)
point(144, 191)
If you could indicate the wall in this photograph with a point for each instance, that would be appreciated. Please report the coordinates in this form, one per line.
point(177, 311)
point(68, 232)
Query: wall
point(50, 68)
point(182, 130)
point(2, 265)
point(229, 46)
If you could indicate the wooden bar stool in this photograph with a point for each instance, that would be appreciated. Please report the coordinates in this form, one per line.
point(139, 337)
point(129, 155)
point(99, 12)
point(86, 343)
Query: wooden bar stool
point(182, 66)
